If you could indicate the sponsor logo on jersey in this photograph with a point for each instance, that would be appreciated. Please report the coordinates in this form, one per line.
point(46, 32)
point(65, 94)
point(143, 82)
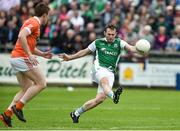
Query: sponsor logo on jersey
point(111, 53)
point(108, 52)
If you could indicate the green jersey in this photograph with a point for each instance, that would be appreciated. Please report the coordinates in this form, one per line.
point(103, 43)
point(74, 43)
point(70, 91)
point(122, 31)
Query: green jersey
point(107, 54)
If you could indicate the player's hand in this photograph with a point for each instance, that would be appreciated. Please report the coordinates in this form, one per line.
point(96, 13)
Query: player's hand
point(32, 60)
point(64, 56)
point(47, 55)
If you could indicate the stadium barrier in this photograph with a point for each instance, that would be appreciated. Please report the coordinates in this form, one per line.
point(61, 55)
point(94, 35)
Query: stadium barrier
point(56, 72)
point(78, 72)
point(155, 74)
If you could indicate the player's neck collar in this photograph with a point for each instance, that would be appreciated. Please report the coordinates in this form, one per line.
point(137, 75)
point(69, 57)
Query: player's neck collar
point(37, 19)
point(106, 39)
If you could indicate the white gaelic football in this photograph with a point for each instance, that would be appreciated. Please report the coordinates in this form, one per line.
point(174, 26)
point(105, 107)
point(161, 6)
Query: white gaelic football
point(143, 46)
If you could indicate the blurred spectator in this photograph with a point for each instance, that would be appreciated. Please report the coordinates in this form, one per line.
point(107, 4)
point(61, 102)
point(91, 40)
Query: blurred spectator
point(73, 7)
point(89, 28)
point(87, 13)
point(57, 45)
point(118, 16)
point(12, 32)
point(158, 7)
point(91, 38)
point(15, 17)
point(161, 39)
point(68, 43)
point(132, 21)
point(6, 5)
point(146, 34)
point(99, 6)
point(143, 15)
point(169, 19)
point(126, 5)
point(173, 44)
point(132, 36)
point(123, 31)
point(107, 14)
point(53, 34)
point(24, 13)
point(78, 44)
point(117, 4)
point(153, 23)
point(63, 13)
point(161, 21)
point(77, 20)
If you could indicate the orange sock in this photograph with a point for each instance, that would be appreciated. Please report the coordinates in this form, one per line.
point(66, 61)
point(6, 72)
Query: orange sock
point(8, 113)
point(19, 105)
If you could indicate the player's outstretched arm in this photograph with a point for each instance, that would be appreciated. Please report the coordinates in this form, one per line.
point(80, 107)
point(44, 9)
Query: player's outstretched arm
point(133, 49)
point(129, 47)
point(47, 54)
point(141, 47)
point(79, 54)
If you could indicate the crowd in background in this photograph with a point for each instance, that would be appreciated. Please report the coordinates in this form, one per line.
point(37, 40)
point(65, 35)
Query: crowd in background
point(74, 24)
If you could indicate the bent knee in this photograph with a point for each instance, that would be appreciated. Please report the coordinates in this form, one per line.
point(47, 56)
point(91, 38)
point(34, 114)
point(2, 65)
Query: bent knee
point(42, 85)
point(104, 81)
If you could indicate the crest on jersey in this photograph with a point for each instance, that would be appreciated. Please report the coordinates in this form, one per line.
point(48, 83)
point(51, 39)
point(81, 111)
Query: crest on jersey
point(103, 49)
point(115, 45)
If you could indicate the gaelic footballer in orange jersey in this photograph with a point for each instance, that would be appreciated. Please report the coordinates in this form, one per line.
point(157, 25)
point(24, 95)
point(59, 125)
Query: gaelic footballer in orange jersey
point(25, 65)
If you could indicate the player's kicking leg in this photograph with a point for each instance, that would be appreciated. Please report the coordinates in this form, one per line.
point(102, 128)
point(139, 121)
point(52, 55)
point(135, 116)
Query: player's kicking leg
point(39, 84)
point(100, 97)
point(106, 83)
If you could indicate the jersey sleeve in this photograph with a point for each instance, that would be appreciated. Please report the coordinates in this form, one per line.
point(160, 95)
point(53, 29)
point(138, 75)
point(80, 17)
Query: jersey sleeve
point(123, 43)
point(92, 46)
point(31, 26)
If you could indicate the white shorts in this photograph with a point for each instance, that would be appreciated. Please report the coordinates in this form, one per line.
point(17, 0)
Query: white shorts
point(99, 74)
point(21, 64)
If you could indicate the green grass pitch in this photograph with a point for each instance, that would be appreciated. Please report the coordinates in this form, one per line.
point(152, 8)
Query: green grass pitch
point(139, 109)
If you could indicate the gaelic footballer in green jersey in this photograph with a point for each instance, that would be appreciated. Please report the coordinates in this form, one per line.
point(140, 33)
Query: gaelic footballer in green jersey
point(108, 50)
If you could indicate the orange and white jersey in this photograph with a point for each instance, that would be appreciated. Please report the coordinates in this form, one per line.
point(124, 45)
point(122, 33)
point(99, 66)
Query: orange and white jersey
point(32, 25)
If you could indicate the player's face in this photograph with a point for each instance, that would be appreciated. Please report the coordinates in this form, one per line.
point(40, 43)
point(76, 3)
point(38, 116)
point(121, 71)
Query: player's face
point(46, 17)
point(110, 34)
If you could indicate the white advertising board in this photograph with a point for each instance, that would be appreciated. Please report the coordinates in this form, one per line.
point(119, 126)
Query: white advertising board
point(153, 75)
point(75, 71)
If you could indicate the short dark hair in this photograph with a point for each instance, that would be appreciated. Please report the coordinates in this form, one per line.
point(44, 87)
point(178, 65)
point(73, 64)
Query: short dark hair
point(40, 9)
point(110, 26)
